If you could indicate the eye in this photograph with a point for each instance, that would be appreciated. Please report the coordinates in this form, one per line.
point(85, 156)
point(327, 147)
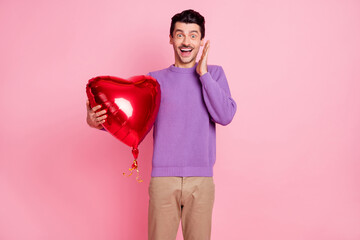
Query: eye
point(193, 36)
point(179, 35)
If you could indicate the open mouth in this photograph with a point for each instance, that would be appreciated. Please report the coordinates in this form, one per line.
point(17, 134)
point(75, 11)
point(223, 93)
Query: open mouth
point(185, 51)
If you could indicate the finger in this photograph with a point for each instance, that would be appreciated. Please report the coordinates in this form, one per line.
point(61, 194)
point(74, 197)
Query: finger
point(206, 50)
point(201, 58)
point(97, 107)
point(203, 52)
point(101, 118)
point(100, 113)
point(205, 58)
point(100, 121)
point(206, 45)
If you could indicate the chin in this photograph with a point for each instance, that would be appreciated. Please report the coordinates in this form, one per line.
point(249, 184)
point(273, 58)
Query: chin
point(187, 60)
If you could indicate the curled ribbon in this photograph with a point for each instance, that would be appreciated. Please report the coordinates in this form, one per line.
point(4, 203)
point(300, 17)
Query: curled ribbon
point(134, 165)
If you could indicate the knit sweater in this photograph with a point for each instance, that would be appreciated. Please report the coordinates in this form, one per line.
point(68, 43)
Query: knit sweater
point(184, 130)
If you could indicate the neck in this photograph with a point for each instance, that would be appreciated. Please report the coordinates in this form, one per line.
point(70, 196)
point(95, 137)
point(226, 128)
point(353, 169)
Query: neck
point(180, 64)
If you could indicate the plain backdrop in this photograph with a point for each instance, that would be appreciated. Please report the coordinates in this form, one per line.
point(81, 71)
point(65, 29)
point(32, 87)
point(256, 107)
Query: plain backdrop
point(288, 166)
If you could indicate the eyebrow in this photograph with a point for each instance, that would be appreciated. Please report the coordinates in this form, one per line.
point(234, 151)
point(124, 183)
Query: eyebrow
point(193, 31)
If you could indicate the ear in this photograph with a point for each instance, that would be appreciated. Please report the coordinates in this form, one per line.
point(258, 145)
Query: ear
point(202, 42)
point(171, 40)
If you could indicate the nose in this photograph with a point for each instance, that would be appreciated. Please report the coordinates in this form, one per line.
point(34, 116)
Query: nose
point(186, 41)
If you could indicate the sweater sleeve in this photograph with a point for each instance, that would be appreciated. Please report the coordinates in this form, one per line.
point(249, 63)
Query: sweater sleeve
point(217, 96)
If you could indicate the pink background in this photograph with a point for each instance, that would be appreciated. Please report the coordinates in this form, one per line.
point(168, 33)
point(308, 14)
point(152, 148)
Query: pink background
point(287, 166)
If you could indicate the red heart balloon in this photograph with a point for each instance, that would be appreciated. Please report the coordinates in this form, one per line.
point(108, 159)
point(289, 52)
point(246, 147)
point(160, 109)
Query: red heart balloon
point(132, 105)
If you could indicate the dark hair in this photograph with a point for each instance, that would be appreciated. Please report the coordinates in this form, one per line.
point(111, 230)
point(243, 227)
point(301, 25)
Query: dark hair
point(188, 16)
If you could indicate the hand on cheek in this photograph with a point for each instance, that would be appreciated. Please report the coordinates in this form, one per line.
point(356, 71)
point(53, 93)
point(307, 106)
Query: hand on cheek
point(201, 68)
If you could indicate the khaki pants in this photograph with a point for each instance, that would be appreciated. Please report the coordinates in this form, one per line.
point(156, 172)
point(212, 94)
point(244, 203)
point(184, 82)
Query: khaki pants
point(189, 199)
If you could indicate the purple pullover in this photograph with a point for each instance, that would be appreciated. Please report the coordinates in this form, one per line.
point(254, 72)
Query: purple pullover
point(184, 130)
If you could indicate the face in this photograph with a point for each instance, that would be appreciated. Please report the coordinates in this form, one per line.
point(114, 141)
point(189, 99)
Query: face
point(186, 42)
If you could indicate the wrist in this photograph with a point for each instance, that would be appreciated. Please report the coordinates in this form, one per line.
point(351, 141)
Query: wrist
point(203, 73)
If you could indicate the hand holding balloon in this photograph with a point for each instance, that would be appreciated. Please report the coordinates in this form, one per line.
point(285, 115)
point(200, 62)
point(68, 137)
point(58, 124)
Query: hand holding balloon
point(131, 106)
point(94, 118)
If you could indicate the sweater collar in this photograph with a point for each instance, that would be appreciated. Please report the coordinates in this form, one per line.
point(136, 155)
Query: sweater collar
point(183, 70)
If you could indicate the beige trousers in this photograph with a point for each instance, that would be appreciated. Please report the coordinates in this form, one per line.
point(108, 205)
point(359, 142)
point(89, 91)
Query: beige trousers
point(189, 199)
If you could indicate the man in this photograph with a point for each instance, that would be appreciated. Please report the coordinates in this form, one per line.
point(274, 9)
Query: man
point(194, 96)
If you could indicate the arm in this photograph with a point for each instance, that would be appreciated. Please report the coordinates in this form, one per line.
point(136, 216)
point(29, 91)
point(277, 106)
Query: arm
point(217, 97)
point(216, 91)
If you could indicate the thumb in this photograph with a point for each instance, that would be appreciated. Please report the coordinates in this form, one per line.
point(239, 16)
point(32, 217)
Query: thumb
point(88, 105)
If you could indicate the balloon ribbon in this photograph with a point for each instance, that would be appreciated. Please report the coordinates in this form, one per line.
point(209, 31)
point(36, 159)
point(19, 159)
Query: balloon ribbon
point(134, 165)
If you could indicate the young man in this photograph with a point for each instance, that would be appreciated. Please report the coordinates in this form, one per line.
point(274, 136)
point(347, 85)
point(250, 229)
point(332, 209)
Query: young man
point(194, 97)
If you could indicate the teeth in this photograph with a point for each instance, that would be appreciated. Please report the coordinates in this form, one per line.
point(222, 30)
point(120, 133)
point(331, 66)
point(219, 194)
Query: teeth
point(186, 50)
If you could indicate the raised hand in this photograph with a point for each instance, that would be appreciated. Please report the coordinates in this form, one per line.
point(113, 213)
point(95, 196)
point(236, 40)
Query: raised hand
point(201, 68)
point(95, 119)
